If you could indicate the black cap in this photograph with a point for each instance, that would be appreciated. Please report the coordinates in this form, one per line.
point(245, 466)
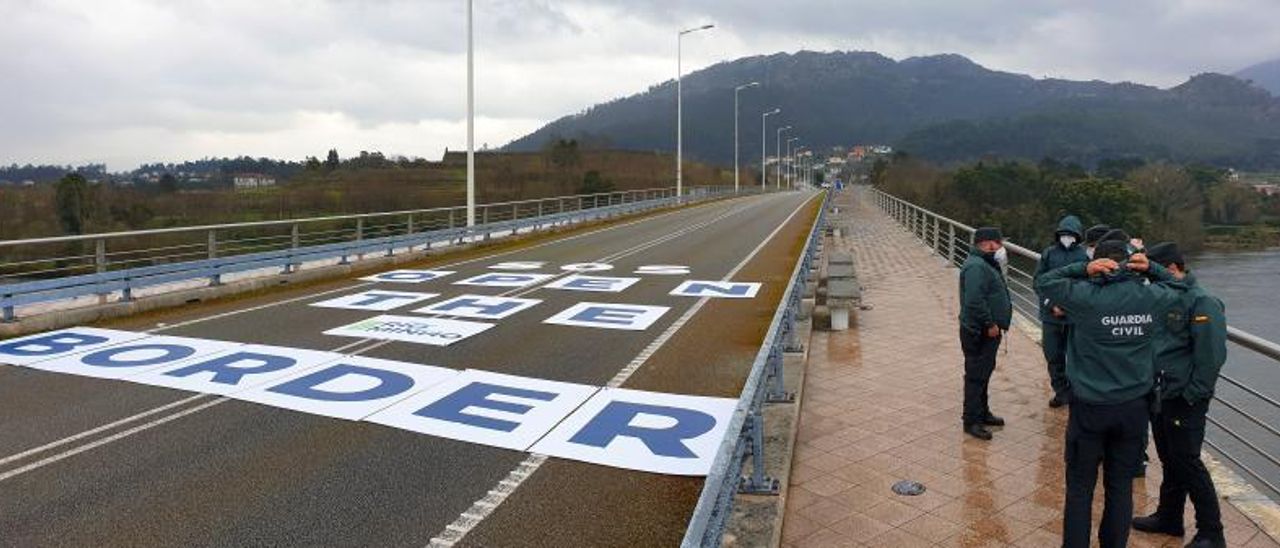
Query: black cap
point(1116, 250)
point(1094, 234)
point(1166, 253)
point(987, 233)
point(1116, 235)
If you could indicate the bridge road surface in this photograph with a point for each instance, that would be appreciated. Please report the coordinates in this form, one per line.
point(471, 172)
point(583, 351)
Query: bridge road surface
point(205, 471)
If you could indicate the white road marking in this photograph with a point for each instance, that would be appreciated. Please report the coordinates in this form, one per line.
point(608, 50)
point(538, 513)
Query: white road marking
point(483, 508)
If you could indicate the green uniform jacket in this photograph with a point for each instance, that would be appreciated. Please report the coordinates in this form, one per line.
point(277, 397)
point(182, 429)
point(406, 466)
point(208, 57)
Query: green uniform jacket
point(984, 296)
point(1193, 344)
point(1055, 256)
point(1112, 346)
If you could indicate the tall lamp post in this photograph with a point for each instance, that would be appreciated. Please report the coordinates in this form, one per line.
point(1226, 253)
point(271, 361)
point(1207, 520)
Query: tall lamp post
point(680, 108)
point(736, 162)
point(777, 150)
point(791, 161)
point(471, 122)
point(798, 172)
point(764, 154)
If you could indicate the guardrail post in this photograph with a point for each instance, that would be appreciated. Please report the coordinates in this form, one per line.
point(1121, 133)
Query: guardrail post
point(757, 483)
point(515, 211)
point(211, 246)
point(951, 243)
point(937, 235)
point(295, 241)
point(100, 263)
point(9, 316)
point(777, 385)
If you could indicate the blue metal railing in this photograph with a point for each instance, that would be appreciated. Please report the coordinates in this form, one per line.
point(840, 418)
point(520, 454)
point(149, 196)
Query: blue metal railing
point(244, 247)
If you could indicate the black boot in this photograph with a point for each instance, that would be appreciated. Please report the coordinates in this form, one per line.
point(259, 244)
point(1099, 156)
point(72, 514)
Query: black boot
point(1208, 540)
point(1157, 524)
point(993, 420)
point(978, 431)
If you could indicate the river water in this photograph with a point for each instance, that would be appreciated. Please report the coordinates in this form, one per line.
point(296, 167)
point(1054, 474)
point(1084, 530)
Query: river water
point(1249, 285)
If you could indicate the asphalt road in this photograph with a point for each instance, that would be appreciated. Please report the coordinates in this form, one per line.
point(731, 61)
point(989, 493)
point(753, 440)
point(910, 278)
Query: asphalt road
point(203, 471)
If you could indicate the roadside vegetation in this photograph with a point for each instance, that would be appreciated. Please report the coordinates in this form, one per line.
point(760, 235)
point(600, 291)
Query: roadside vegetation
point(1198, 206)
point(91, 202)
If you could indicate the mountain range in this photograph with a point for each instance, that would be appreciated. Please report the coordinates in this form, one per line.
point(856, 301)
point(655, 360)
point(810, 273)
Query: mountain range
point(1265, 75)
point(943, 107)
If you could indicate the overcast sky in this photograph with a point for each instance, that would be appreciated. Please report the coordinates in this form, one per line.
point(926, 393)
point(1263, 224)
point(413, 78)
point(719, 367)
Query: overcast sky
point(126, 82)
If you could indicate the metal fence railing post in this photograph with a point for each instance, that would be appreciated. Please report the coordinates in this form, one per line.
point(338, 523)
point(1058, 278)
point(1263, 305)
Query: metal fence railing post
point(951, 243)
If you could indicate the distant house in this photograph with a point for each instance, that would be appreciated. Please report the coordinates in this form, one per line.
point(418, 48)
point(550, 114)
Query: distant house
point(252, 180)
point(1267, 189)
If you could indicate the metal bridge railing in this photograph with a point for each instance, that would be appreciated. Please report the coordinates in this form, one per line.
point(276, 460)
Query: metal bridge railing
point(1248, 440)
point(744, 438)
point(40, 271)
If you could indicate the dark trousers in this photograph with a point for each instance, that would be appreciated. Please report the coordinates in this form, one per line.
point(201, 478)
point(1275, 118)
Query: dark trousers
point(1179, 433)
point(1111, 435)
point(1053, 340)
point(979, 362)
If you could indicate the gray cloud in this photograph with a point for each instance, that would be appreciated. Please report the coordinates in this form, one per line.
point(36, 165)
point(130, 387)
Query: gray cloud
point(127, 81)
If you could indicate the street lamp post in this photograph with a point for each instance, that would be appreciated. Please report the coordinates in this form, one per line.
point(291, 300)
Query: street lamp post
point(471, 122)
point(791, 161)
point(797, 168)
point(777, 150)
point(680, 109)
point(736, 162)
point(764, 153)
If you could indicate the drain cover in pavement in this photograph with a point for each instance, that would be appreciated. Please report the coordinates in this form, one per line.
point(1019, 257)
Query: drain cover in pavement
point(908, 488)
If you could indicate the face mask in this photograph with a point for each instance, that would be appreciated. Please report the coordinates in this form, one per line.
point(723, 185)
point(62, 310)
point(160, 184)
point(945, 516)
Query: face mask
point(1067, 241)
point(1089, 251)
point(1001, 256)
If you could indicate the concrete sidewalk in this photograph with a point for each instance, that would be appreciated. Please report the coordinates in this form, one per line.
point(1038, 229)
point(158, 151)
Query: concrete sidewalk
point(881, 403)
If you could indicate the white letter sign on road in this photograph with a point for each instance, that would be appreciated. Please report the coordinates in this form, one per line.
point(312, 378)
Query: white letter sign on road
point(487, 408)
point(602, 284)
point(407, 276)
point(432, 331)
point(379, 301)
point(479, 306)
point(650, 431)
point(131, 358)
point(235, 370)
point(519, 265)
point(351, 388)
point(732, 290)
point(63, 342)
point(505, 279)
point(632, 317)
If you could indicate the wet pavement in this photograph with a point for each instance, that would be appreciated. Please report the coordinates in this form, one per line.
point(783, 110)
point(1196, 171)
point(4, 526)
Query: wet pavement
point(881, 403)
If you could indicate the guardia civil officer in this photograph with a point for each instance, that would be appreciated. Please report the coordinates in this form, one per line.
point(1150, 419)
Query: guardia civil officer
point(1190, 352)
point(1110, 349)
point(1067, 249)
point(1092, 236)
point(985, 313)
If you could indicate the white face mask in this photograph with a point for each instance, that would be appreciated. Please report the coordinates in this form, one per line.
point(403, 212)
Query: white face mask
point(1002, 256)
point(1089, 251)
point(1067, 241)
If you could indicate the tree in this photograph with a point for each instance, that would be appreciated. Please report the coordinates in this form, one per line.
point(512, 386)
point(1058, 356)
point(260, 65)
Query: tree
point(332, 161)
point(72, 200)
point(168, 183)
point(564, 153)
point(593, 183)
point(1174, 204)
point(312, 164)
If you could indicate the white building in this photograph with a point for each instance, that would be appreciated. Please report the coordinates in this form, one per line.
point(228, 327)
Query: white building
point(252, 180)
